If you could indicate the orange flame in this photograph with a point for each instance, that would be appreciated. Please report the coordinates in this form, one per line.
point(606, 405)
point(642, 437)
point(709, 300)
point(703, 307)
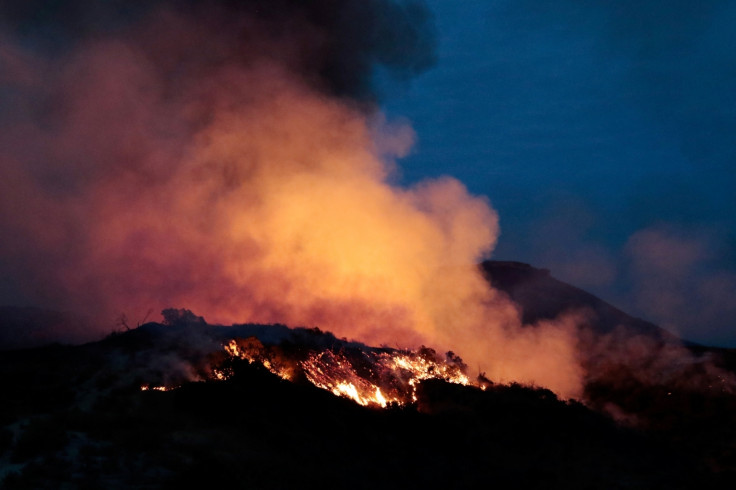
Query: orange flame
point(377, 378)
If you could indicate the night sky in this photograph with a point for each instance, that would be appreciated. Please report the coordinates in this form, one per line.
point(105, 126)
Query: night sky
point(603, 134)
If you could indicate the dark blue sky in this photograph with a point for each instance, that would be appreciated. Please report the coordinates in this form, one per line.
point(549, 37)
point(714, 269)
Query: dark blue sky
point(604, 134)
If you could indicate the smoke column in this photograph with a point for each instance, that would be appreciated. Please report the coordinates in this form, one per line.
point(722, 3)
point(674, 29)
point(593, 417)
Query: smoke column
point(232, 161)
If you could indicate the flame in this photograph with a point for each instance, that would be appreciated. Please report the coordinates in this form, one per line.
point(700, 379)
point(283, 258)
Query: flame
point(232, 349)
point(253, 351)
point(397, 372)
point(368, 377)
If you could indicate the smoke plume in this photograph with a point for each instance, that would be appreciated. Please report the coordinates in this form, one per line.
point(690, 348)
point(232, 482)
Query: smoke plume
point(231, 160)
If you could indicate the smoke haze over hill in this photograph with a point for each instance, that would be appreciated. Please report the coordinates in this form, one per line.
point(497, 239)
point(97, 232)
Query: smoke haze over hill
point(230, 159)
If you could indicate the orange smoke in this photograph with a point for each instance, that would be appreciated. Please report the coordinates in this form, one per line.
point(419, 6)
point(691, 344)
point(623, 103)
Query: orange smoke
point(276, 205)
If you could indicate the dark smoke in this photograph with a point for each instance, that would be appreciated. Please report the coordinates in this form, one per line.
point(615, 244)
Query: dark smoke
point(334, 44)
point(93, 90)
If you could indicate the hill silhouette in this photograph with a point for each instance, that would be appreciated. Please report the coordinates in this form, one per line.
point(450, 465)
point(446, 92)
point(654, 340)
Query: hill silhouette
point(75, 416)
point(542, 297)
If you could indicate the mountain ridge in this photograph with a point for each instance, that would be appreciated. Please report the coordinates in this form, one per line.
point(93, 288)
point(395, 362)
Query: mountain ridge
point(540, 296)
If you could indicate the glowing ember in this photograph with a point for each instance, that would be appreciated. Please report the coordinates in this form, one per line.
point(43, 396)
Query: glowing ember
point(157, 388)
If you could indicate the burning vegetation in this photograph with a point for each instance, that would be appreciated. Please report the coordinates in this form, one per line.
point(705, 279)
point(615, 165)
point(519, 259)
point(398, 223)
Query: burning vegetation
point(368, 376)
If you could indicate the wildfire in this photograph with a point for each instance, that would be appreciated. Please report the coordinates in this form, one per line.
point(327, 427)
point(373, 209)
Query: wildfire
point(368, 376)
point(376, 377)
point(397, 372)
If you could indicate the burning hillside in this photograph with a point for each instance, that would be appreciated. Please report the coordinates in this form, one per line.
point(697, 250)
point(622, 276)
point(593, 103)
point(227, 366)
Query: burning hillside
point(165, 405)
point(230, 157)
point(369, 376)
point(378, 377)
point(619, 365)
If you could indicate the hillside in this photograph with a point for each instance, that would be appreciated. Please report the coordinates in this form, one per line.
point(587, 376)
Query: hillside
point(79, 418)
point(185, 403)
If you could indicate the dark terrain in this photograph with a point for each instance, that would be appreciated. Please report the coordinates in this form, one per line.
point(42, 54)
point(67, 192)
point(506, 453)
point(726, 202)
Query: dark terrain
point(75, 416)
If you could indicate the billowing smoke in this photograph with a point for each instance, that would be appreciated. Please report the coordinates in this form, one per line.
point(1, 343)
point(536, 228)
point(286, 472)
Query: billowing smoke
point(231, 160)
